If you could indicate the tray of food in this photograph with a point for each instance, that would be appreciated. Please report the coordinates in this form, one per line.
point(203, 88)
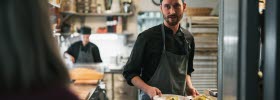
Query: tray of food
point(178, 97)
point(172, 97)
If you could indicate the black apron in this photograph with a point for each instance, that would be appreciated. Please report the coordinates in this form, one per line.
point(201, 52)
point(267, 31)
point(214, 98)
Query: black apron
point(170, 75)
point(85, 56)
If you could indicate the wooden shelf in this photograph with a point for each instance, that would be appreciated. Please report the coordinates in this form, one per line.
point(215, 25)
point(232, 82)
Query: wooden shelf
point(128, 34)
point(125, 34)
point(115, 33)
point(95, 14)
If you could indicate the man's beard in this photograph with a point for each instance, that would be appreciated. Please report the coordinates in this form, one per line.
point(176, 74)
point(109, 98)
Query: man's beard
point(174, 19)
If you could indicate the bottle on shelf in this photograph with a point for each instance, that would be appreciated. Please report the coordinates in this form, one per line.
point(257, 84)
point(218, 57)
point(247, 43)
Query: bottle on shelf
point(119, 25)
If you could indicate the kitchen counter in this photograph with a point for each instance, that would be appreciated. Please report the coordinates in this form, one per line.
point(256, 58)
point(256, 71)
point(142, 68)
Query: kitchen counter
point(82, 90)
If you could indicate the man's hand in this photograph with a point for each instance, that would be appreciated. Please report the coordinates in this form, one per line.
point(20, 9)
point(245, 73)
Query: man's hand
point(152, 91)
point(192, 91)
point(72, 59)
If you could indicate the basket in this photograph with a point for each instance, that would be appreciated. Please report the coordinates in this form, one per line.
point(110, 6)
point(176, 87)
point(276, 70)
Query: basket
point(198, 11)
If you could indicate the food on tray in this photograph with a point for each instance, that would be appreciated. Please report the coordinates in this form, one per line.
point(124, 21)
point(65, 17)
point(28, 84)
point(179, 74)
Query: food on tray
point(201, 97)
point(172, 98)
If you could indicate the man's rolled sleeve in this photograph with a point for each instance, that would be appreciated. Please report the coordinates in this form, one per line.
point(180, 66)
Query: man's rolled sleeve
point(70, 50)
point(96, 55)
point(133, 66)
point(191, 56)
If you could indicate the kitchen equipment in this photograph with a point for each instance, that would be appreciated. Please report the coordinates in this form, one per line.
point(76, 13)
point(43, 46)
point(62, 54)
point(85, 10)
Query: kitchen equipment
point(127, 7)
point(213, 92)
point(116, 6)
point(68, 5)
point(108, 4)
point(99, 9)
point(156, 2)
point(84, 6)
point(99, 93)
point(94, 66)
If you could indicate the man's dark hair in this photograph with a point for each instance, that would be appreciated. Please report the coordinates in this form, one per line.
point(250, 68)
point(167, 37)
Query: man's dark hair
point(162, 0)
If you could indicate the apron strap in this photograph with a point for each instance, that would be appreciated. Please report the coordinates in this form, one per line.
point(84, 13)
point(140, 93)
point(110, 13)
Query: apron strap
point(187, 43)
point(163, 36)
point(185, 83)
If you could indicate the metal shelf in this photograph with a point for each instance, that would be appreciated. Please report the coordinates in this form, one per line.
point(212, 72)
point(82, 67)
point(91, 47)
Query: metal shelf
point(82, 16)
point(65, 34)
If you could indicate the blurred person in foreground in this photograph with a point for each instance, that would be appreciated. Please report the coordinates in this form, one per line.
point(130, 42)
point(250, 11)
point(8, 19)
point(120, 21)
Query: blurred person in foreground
point(161, 61)
point(31, 67)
